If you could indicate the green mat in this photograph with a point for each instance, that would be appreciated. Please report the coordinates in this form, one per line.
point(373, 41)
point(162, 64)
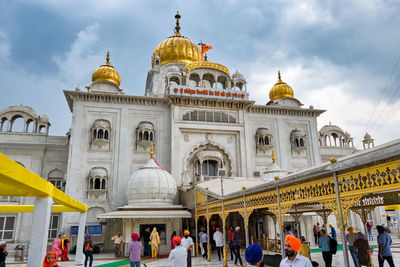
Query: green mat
point(119, 263)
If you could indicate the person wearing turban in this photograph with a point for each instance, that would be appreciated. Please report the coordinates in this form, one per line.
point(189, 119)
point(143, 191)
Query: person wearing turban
point(351, 237)
point(178, 256)
point(324, 243)
point(187, 243)
point(219, 242)
point(254, 255)
point(293, 258)
point(134, 250)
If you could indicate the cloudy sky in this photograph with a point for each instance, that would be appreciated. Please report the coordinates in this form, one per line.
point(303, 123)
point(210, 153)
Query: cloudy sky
point(342, 56)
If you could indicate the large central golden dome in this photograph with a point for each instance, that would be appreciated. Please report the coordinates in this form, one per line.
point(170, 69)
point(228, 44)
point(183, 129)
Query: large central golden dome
point(177, 48)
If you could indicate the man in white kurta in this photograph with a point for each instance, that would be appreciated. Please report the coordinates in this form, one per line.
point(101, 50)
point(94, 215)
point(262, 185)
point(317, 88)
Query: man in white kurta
point(219, 242)
point(187, 243)
point(178, 256)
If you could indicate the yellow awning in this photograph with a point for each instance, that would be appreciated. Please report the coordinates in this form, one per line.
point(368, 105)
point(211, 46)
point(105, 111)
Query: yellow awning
point(15, 180)
point(392, 207)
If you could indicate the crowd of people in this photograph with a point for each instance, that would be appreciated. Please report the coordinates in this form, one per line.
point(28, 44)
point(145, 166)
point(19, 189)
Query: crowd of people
point(297, 251)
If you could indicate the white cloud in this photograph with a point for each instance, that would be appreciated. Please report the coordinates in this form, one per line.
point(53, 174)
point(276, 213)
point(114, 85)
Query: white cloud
point(78, 63)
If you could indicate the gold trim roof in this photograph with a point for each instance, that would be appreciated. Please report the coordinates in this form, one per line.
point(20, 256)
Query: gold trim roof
point(106, 73)
point(206, 64)
point(280, 90)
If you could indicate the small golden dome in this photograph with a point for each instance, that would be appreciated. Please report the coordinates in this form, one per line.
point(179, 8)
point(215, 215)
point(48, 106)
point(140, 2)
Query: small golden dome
point(106, 73)
point(206, 64)
point(177, 48)
point(280, 89)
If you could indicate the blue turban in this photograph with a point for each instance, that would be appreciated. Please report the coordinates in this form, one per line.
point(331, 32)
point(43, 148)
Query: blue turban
point(253, 253)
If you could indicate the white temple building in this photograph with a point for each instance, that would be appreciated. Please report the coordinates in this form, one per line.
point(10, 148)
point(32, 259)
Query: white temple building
point(202, 123)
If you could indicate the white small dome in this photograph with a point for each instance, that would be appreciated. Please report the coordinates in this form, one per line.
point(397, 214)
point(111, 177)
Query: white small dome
point(271, 172)
point(173, 69)
point(367, 136)
point(151, 186)
point(237, 76)
point(98, 171)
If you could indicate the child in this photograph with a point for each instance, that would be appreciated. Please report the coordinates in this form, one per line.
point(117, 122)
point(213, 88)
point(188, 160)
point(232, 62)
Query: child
point(50, 260)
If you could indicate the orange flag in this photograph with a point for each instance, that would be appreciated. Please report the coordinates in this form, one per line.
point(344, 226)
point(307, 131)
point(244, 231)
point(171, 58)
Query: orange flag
point(205, 48)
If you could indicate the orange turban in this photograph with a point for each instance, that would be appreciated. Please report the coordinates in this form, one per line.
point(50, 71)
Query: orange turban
point(186, 232)
point(218, 229)
point(176, 240)
point(293, 242)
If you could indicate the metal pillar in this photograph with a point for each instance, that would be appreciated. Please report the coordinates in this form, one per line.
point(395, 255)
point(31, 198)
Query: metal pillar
point(280, 222)
point(341, 221)
point(208, 230)
point(223, 224)
point(40, 231)
point(196, 249)
point(246, 227)
point(79, 243)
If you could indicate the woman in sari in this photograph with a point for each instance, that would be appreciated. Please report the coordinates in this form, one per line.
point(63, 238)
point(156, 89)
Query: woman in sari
point(64, 248)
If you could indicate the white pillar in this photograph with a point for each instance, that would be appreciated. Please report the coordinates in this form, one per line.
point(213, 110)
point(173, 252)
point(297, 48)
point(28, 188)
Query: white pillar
point(79, 243)
point(40, 231)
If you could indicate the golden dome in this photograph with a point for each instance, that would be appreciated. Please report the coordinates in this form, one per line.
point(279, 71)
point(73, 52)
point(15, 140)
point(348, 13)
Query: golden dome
point(106, 73)
point(206, 64)
point(177, 48)
point(280, 89)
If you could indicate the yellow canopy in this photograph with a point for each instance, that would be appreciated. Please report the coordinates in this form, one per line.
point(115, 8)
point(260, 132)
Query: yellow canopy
point(15, 180)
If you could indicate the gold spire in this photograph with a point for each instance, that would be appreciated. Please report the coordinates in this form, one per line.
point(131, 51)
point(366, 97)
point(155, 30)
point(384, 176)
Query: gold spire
point(273, 155)
point(106, 73)
point(280, 89)
point(151, 150)
point(177, 27)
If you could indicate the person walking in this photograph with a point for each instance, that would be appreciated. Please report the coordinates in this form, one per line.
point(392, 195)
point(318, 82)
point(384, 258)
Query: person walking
point(57, 246)
point(369, 230)
point(88, 250)
point(236, 245)
point(3, 253)
point(293, 258)
point(134, 249)
point(333, 232)
point(118, 244)
point(316, 231)
point(219, 242)
point(324, 242)
point(202, 231)
point(363, 250)
point(146, 242)
point(384, 242)
point(172, 242)
point(187, 243)
point(231, 247)
point(204, 244)
point(155, 242)
point(305, 248)
point(178, 256)
point(254, 255)
point(64, 248)
point(351, 237)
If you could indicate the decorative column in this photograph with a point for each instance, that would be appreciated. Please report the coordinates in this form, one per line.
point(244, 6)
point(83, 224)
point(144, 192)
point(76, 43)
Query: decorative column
point(246, 226)
point(79, 243)
point(223, 223)
point(208, 229)
point(196, 249)
point(40, 231)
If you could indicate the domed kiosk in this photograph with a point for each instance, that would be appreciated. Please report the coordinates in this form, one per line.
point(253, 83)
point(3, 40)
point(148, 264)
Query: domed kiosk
point(150, 194)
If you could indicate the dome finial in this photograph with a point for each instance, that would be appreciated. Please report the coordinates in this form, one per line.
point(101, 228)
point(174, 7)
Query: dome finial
point(151, 151)
point(279, 76)
point(205, 57)
point(273, 155)
point(177, 27)
point(108, 58)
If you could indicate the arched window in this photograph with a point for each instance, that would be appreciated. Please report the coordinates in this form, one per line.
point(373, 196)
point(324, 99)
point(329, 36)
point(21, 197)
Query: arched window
point(106, 134)
point(140, 136)
point(296, 142)
point(17, 124)
point(29, 126)
point(151, 136)
point(146, 136)
point(95, 133)
point(97, 183)
point(103, 184)
point(3, 126)
point(266, 140)
point(56, 177)
point(100, 134)
point(210, 168)
point(261, 141)
point(301, 142)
